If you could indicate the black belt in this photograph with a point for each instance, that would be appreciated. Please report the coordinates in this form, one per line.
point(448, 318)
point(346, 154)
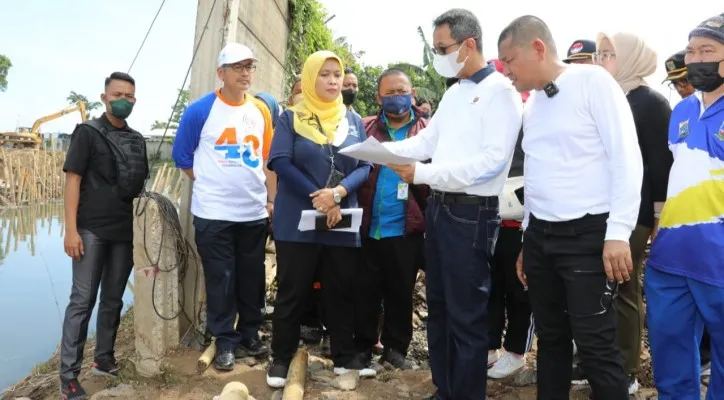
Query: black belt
point(449, 198)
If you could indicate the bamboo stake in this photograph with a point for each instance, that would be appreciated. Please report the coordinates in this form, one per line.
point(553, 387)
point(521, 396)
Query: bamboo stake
point(294, 388)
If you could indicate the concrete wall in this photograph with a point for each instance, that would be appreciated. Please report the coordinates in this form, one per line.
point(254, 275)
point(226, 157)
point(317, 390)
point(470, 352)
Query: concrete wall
point(263, 26)
point(260, 24)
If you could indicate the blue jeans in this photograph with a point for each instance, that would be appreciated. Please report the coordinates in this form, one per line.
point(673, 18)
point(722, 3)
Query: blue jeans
point(232, 254)
point(460, 241)
point(678, 309)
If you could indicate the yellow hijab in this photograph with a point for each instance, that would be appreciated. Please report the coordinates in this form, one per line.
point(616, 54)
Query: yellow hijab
point(328, 113)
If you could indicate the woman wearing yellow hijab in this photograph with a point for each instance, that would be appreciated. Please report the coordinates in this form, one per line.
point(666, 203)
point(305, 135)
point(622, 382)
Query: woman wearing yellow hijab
point(314, 176)
point(629, 60)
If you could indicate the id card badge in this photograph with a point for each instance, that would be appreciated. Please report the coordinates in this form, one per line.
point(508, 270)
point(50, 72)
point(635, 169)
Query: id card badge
point(402, 189)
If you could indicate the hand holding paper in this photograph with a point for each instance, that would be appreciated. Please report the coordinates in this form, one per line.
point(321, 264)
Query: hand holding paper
point(373, 151)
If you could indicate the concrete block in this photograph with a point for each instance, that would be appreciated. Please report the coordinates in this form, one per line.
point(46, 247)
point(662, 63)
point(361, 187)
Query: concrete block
point(156, 288)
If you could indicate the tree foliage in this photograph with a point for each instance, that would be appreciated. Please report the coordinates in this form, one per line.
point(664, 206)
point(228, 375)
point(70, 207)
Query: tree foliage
point(178, 110)
point(5, 66)
point(74, 98)
point(308, 33)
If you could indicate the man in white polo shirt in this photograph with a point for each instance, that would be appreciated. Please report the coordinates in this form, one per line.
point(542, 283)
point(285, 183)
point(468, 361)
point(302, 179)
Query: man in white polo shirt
point(222, 144)
point(583, 174)
point(470, 140)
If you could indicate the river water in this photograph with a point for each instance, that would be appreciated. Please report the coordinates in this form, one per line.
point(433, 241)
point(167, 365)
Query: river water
point(35, 282)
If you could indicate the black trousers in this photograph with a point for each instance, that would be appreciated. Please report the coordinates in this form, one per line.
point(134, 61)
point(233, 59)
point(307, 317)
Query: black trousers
point(297, 264)
point(105, 264)
point(572, 299)
point(387, 272)
point(508, 297)
point(232, 254)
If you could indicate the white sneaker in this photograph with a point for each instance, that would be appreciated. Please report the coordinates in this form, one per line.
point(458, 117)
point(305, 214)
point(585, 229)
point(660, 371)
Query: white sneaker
point(706, 369)
point(506, 366)
point(363, 373)
point(633, 386)
point(493, 357)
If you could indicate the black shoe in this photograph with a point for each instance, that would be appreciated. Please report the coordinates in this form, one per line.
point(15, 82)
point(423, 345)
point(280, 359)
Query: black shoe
point(396, 359)
point(579, 376)
point(252, 347)
point(72, 390)
point(105, 368)
point(276, 376)
point(310, 334)
point(224, 360)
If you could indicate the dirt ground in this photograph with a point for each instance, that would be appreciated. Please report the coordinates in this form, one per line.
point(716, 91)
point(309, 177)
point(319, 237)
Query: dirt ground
point(181, 381)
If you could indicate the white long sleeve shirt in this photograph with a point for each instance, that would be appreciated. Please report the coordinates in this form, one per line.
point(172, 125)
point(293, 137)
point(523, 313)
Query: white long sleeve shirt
point(470, 139)
point(581, 152)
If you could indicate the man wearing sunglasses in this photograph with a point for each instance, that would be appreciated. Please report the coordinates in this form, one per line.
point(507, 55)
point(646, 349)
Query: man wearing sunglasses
point(222, 144)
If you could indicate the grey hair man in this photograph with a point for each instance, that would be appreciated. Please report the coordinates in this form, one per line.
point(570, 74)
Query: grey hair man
point(470, 140)
point(583, 174)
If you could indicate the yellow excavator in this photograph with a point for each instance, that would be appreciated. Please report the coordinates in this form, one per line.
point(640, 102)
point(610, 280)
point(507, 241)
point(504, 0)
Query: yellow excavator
point(30, 138)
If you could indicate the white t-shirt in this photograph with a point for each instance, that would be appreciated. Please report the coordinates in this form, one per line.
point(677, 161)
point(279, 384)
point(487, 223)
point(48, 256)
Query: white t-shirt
point(581, 152)
point(227, 146)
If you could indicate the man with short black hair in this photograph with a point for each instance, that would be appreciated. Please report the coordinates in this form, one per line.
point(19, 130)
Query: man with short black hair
point(581, 52)
point(425, 106)
point(583, 176)
point(222, 144)
point(106, 167)
point(393, 226)
point(676, 74)
point(470, 140)
point(350, 88)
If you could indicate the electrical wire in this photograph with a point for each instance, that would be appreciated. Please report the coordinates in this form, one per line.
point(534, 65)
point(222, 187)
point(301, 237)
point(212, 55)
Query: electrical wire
point(146, 37)
point(167, 210)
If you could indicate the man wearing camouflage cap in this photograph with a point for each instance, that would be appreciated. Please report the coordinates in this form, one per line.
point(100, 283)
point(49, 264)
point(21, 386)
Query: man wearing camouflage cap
point(581, 52)
point(676, 74)
point(684, 280)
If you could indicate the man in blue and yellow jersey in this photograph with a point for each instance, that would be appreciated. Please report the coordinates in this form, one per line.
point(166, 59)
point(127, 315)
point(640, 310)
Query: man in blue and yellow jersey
point(685, 276)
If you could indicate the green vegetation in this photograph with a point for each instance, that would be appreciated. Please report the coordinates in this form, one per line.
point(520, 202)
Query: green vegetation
point(5, 66)
point(178, 110)
point(309, 33)
point(74, 98)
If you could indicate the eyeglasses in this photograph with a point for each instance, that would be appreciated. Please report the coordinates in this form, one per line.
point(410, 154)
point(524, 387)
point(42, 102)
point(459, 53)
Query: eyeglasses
point(442, 50)
point(606, 300)
point(601, 57)
point(242, 67)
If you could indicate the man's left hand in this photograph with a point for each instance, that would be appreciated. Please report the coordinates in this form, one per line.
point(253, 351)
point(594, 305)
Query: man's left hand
point(406, 172)
point(617, 260)
point(270, 208)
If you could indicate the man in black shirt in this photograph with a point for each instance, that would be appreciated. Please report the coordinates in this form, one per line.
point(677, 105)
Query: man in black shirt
point(99, 229)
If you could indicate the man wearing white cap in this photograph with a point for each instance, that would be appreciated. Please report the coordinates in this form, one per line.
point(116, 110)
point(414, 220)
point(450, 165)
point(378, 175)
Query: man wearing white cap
point(222, 144)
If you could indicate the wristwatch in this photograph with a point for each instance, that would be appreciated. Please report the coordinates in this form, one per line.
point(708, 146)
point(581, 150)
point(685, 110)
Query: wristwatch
point(337, 196)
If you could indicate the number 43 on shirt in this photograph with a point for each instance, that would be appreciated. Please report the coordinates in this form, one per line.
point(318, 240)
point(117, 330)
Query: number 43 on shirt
point(228, 142)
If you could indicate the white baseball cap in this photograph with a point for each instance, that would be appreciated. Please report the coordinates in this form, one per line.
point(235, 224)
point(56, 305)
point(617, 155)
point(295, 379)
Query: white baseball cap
point(233, 53)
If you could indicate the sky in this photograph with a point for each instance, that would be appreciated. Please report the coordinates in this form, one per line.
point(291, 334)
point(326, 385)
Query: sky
point(56, 48)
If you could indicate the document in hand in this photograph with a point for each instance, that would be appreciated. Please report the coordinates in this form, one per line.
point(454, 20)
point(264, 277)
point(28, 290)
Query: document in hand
point(309, 218)
point(373, 151)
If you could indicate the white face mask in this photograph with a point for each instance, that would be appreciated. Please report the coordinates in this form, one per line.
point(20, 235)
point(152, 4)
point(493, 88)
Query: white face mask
point(447, 65)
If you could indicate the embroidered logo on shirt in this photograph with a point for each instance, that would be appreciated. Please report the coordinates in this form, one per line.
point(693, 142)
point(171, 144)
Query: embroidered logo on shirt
point(475, 100)
point(353, 131)
point(720, 135)
point(683, 129)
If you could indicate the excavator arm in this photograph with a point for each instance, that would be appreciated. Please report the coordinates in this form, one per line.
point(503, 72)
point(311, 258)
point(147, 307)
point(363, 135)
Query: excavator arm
point(80, 106)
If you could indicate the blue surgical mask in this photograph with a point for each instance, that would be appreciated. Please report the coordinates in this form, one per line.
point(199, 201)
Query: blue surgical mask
point(398, 104)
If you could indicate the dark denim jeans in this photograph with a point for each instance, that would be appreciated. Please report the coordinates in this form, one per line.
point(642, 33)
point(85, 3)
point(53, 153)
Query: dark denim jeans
point(232, 254)
point(460, 241)
point(105, 264)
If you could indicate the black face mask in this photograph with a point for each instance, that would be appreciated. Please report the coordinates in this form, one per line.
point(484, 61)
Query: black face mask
point(426, 115)
point(704, 76)
point(349, 96)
